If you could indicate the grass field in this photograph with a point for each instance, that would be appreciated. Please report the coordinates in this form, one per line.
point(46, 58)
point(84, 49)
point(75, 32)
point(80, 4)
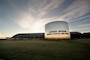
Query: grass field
point(44, 50)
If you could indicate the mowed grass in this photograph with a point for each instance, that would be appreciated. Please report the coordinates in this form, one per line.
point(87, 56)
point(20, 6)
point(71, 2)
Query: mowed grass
point(44, 50)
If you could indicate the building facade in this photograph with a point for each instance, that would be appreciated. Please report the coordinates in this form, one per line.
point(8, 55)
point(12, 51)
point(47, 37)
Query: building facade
point(57, 30)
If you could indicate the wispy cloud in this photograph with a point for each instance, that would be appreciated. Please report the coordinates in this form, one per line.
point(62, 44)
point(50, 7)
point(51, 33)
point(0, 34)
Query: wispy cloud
point(31, 17)
point(77, 9)
point(81, 26)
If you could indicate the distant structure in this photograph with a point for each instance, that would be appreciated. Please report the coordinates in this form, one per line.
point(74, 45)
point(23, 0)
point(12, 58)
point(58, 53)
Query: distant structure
point(53, 30)
point(28, 36)
point(57, 30)
point(86, 35)
point(76, 35)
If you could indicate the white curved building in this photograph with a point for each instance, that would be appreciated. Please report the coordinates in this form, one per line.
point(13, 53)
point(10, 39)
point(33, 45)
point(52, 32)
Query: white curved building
point(57, 30)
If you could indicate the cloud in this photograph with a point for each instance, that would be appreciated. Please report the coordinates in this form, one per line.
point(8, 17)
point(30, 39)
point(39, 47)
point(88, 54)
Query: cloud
point(44, 6)
point(81, 26)
point(80, 18)
point(25, 20)
point(77, 9)
point(31, 17)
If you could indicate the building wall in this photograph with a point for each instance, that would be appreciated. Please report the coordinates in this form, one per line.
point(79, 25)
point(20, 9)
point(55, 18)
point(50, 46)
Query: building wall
point(57, 30)
point(29, 36)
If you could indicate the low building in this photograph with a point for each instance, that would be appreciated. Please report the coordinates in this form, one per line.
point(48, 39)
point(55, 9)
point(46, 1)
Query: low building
point(28, 36)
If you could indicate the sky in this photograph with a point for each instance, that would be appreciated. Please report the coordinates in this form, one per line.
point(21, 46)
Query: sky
point(30, 16)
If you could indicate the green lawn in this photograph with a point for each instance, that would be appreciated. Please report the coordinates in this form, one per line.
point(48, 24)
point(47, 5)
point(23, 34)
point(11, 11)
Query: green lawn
point(44, 50)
